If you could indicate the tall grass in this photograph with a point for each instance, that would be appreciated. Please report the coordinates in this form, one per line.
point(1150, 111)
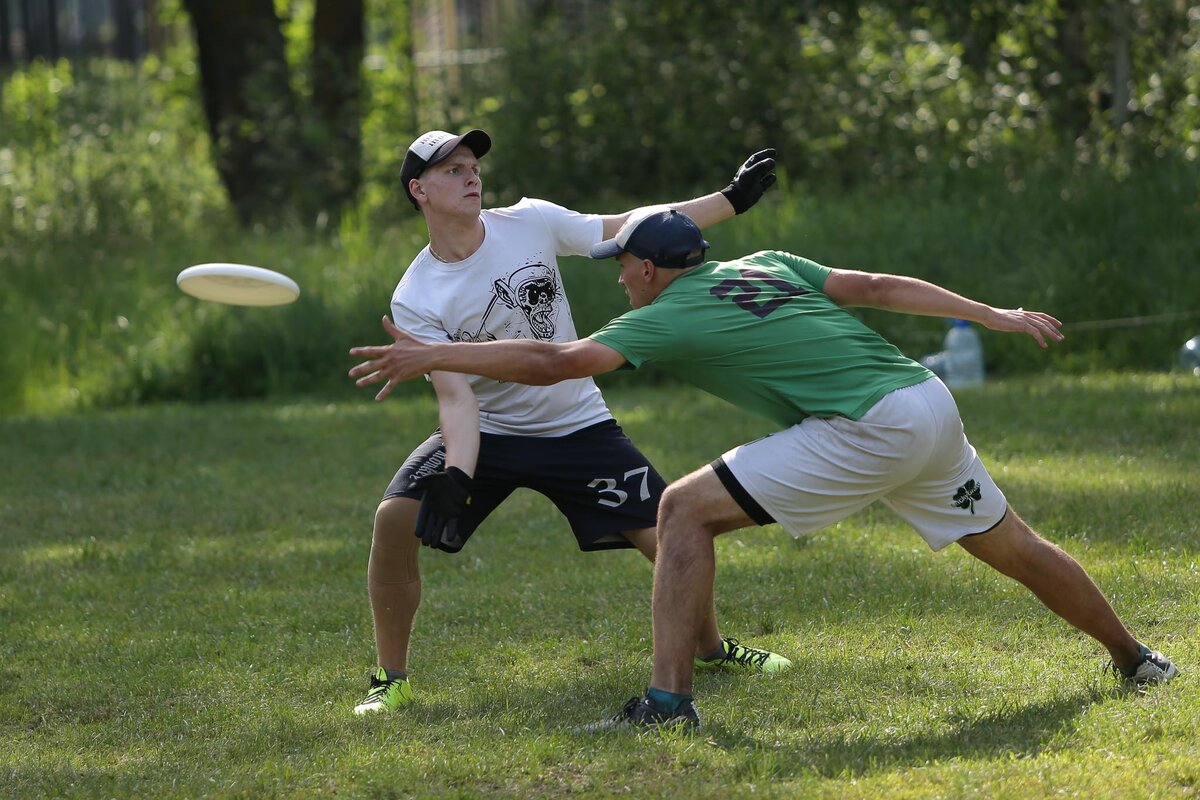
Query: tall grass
point(107, 191)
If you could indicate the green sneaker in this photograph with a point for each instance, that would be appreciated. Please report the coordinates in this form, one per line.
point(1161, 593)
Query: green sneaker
point(740, 656)
point(384, 695)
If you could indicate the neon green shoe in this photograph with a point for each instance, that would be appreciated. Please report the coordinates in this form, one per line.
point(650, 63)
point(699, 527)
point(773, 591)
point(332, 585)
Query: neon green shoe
point(740, 656)
point(384, 694)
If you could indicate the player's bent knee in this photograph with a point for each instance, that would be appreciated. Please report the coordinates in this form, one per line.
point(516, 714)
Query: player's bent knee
point(396, 517)
point(682, 513)
point(673, 507)
point(700, 503)
point(394, 548)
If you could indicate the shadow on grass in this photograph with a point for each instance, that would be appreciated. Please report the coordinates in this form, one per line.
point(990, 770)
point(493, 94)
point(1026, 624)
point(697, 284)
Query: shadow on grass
point(1009, 729)
point(1014, 730)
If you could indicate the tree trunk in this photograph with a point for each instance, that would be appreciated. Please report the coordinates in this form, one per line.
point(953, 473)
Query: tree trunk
point(1122, 69)
point(337, 55)
point(251, 108)
point(123, 18)
point(5, 34)
point(40, 19)
point(414, 85)
point(1073, 104)
point(155, 37)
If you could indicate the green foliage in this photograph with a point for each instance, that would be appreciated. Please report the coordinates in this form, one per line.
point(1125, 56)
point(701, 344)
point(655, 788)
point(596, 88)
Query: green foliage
point(390, 116)
point(192, 583)
point(850, 93)
point(917, 139)
point(102, 149)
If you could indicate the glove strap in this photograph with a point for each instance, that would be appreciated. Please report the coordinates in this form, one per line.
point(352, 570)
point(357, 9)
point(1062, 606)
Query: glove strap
point(736, 197)
point(461, 478)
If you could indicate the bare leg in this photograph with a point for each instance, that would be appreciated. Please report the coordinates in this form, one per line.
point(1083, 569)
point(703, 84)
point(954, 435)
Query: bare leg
point(709, 637)
point(394, 580)
point(1015, 550)
point(694, 511)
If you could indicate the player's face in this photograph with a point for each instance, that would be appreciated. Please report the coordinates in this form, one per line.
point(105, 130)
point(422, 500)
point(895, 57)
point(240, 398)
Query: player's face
point(453, 186)
point(633, 278)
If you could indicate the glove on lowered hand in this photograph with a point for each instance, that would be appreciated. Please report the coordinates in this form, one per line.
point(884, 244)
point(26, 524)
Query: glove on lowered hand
point(447, 495)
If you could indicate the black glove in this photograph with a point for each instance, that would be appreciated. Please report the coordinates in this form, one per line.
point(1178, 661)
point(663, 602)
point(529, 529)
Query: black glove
point(447, 495)
point(752, 179)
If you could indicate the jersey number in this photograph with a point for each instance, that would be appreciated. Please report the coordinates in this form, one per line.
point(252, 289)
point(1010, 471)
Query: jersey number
point(745, 294)
point(619, 496)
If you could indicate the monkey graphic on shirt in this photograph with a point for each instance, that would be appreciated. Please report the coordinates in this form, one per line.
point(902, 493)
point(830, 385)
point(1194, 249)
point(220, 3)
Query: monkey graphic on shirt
point(535, 292)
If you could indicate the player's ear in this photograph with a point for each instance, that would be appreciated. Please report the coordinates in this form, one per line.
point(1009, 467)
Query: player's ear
point(414, 188)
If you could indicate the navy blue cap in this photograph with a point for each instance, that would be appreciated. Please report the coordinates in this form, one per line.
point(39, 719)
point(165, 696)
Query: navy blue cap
point(667, 237)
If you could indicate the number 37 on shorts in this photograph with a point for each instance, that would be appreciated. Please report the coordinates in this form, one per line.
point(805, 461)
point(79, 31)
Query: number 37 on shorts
point(613, 492)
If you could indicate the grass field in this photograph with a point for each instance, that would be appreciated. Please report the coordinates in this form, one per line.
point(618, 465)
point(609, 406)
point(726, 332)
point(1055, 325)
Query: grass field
point(183, 614)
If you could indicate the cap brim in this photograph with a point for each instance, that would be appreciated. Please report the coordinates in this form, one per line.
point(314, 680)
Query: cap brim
point(476, 141)
point(479, 142)
point(606, 249)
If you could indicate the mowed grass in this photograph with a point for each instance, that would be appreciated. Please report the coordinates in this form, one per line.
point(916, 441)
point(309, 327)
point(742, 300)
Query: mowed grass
point(183, 614)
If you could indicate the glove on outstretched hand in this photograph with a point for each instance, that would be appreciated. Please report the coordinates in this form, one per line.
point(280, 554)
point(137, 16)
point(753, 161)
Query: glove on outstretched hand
point(752, 179)
point(447, 495)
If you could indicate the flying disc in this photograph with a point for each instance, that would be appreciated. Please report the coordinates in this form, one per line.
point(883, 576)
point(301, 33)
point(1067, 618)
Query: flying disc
point(238, 284)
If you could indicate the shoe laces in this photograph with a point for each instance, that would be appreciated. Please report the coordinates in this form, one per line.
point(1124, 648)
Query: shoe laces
point(627, 711)
point(1147, 657)
point(739, 653)
point(378, 687)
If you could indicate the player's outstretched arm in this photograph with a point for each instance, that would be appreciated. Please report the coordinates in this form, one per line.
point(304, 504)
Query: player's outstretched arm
point(517, 360)
point(752, 179)
point(914, 296)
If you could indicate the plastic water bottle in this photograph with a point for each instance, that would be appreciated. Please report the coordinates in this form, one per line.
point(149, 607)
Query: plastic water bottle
point(1189, 356)
point(963, 355)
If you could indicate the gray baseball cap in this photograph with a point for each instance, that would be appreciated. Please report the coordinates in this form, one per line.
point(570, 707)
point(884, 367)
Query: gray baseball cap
point(434, 146)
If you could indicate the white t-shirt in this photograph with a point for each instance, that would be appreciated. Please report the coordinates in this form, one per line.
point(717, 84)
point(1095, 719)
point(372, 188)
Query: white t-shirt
point(510, 288)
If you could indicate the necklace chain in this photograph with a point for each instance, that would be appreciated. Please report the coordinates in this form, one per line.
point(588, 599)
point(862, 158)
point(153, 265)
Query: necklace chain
point(434, 253)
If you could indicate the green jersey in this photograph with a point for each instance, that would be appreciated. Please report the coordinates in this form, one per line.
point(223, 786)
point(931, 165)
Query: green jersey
point(760, 333)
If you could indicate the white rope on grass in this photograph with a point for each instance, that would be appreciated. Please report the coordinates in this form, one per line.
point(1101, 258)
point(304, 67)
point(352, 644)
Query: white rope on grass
point(1130, 322)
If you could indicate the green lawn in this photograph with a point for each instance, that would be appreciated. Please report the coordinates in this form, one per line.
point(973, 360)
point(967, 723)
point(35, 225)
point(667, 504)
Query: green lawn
point(183, 613)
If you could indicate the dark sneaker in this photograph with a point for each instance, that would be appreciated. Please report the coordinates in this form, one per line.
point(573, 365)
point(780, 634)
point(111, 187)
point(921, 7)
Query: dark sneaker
point(640, 713)
point(740, 656)
point(1153, 667)
point(384, 694)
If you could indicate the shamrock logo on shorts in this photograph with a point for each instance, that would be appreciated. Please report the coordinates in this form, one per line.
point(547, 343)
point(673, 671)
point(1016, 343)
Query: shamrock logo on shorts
point(967, 494)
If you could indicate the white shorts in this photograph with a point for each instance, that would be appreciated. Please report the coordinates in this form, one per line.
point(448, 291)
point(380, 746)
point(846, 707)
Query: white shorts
point(908, 450)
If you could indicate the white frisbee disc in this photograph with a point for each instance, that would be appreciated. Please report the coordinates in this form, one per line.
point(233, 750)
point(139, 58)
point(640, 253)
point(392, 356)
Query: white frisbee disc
point(238, 284)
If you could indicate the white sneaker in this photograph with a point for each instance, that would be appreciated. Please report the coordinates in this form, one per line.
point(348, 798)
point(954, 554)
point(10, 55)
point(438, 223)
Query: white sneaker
point(1153, 667)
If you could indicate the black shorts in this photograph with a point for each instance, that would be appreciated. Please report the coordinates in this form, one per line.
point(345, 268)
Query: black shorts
point(600, 482)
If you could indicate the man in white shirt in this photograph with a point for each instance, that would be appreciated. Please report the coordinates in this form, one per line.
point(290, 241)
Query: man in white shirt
point(493, 274)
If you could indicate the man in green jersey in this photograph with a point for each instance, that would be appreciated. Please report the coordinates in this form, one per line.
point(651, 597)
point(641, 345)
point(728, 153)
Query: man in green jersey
point(861, 422)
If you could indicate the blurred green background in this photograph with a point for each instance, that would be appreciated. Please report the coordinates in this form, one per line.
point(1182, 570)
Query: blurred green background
point(1042, 154)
